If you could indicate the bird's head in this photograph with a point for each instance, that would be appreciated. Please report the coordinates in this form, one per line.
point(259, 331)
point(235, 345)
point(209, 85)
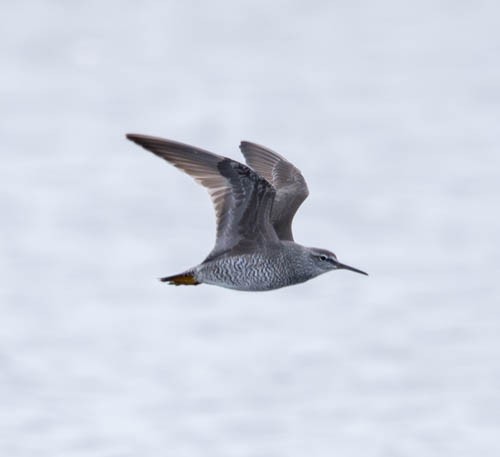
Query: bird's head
point(323, 260)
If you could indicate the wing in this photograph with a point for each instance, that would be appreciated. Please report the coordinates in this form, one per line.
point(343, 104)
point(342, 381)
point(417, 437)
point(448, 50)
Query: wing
point(242, 199)
point(290, 185)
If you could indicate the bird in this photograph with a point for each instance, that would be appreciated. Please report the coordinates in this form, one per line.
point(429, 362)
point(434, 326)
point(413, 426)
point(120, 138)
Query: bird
point(254, 206)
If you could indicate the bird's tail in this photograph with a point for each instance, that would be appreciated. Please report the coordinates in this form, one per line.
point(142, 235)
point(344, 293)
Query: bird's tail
point(182, 279)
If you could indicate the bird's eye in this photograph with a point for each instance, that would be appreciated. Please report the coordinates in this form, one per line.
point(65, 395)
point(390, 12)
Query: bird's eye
point(323, 257)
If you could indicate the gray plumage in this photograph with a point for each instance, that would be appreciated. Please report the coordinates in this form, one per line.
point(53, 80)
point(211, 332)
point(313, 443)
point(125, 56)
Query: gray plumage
point(290, 185)
point(254, 206)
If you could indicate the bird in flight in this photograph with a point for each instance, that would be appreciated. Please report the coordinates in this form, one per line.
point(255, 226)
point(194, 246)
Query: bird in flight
point(254, 205)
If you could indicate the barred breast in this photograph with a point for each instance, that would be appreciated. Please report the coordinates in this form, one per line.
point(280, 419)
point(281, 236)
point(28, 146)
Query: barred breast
point(252, 272)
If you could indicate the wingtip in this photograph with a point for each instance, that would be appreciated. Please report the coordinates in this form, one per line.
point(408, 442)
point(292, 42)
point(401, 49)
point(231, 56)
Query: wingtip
point(132, 136)
point(245, 144)
point(143, 140)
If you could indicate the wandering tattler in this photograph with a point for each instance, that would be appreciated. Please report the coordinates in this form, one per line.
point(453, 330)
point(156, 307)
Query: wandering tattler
point(254, 205)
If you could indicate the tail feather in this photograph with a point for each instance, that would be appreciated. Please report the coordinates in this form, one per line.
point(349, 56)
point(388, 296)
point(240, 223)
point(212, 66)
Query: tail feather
point(185, 279)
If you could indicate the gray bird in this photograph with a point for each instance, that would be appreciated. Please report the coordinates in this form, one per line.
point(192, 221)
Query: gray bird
point(254, 205)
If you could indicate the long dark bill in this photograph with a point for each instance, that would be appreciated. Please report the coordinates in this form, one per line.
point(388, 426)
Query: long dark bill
point(342, 266)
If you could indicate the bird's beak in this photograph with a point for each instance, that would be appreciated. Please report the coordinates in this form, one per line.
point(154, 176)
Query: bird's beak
point(341, 266)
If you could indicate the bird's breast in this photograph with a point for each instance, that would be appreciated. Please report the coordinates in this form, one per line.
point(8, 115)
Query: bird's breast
point(253, 272)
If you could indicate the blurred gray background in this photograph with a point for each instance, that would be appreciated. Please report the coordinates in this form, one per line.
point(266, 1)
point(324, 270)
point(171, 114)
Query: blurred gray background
point(390, 109)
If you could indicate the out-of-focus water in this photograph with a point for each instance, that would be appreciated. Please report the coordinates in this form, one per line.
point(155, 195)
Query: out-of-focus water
point(390, 109)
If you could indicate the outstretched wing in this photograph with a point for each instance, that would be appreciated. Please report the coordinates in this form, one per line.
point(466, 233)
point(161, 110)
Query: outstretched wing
point(242, 199)
point(290, 185)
